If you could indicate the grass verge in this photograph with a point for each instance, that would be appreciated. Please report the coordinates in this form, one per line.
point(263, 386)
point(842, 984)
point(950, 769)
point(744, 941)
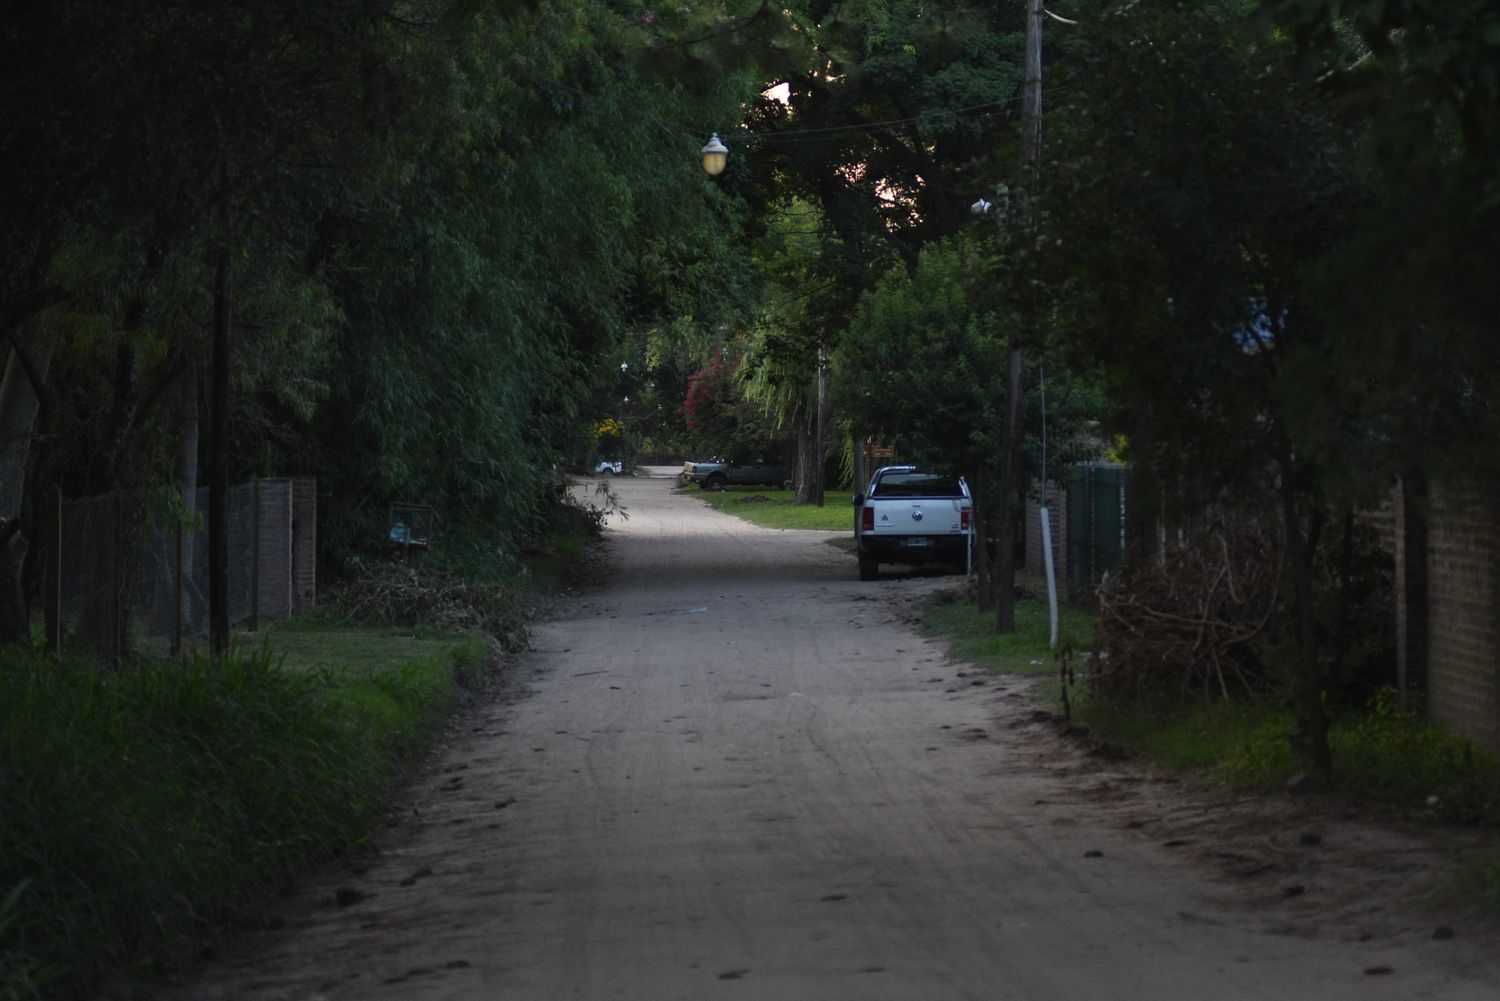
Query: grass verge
point(146, 806)
point(972, 636)
point(1383, 752)
point(779, 508)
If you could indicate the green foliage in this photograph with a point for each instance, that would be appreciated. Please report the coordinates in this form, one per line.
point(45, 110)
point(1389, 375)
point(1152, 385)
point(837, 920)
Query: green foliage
point(1190, 185)
point(442, 219)
point(145, 804)
point(883, 125)
point(1246, 741)
point(1392, 753)
point(924, 371)
point(1409, 298)
point(1383, 751)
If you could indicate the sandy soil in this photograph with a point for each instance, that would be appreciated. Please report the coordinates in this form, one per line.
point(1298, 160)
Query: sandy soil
point(733, 771)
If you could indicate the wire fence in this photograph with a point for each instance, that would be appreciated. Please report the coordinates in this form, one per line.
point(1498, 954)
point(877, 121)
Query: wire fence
point(124, 580)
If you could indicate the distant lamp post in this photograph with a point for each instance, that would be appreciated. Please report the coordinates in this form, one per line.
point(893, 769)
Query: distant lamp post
point(715, 155)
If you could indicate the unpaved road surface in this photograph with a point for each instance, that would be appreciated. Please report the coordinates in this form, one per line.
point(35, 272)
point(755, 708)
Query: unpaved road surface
point(733, 771)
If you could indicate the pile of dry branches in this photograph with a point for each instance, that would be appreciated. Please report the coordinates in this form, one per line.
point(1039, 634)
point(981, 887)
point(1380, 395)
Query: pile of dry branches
point(1191, 621)
point(383, 591)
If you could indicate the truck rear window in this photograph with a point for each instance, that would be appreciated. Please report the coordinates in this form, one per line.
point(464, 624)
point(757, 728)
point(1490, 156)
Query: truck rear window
point(916, 485)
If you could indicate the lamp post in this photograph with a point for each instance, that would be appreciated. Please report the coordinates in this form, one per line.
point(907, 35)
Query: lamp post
point(715, 155)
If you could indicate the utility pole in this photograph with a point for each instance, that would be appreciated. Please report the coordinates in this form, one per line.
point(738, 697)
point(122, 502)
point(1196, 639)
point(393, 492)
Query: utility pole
point(1031, 149)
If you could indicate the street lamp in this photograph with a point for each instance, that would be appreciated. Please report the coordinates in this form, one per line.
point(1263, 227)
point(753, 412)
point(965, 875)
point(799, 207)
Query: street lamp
point(715, 155)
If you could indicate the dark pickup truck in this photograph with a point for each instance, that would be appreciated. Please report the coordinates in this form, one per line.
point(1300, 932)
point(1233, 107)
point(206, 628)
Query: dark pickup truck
point(717, 474)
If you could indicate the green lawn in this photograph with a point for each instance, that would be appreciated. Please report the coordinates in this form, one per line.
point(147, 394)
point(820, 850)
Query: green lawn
point(772, 508)
point(972, 636)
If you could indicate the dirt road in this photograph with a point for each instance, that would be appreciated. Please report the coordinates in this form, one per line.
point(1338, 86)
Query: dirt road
point(737, 772)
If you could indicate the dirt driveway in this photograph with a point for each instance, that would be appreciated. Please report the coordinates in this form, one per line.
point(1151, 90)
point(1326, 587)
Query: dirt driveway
point(737, 772)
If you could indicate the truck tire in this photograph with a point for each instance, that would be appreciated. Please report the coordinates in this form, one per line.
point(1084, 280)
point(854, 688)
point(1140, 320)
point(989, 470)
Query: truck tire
point(715, 482)
point(869, 569)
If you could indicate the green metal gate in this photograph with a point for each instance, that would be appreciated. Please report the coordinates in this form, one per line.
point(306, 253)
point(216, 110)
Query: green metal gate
point(1098, 498)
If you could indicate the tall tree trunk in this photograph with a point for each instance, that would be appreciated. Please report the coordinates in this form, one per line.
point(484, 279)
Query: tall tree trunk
point(820, 436)
point(189, 432)
point(1342, 640)
point(218, 485)
point(22, 414)
point(1313, 722)
point(805, 448)
point(20, 407)
point(983, 582)
point(1005, 561)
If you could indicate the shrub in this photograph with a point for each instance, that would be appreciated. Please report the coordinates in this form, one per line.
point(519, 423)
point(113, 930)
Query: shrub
point(145, 805)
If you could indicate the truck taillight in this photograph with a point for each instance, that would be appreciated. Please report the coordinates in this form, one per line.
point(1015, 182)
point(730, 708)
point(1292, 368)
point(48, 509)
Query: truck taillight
point(867, 519)
point(963, 518)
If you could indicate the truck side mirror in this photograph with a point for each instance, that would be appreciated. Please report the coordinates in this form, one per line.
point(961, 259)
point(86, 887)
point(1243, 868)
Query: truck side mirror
point(859, 499)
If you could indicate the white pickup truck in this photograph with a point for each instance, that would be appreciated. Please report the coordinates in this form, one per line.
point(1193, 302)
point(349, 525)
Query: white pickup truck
point(910, 515)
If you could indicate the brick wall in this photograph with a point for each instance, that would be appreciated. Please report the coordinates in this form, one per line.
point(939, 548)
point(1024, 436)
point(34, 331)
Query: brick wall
point(1463, 642)
point(1057, 499)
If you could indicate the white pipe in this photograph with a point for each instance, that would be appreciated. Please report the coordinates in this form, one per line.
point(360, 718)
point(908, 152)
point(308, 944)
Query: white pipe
point(1047, 561)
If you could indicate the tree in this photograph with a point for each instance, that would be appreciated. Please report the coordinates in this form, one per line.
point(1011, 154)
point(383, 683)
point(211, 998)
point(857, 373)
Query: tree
point(423, 294)
point(1192, 187)
point(1409, 297)
point(924, 370)
point(869, 156)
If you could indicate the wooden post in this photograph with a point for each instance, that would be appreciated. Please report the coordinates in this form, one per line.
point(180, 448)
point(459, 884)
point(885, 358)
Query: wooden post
point(53, 586)
point(255, 555)
point(177, 592)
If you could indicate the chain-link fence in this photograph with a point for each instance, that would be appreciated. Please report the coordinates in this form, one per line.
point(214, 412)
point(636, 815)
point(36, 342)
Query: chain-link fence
point(123, 579)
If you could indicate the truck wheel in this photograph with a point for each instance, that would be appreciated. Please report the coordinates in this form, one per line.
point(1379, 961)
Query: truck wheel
point(868, 568)
point(715, 482)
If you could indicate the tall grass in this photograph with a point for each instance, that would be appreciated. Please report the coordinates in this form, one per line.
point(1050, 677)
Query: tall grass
point(143, 806)
point(1382, 751)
